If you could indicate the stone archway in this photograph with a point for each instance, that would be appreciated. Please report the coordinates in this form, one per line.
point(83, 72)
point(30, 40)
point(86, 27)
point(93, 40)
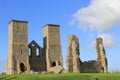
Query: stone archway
point(22, 67)
point(53, 64)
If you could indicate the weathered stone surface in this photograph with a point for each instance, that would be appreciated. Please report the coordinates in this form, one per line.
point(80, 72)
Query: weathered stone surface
point(101, 55)
point(37, 57)
point(74, 64)
point(18, 60)
point(56, 69)
point(52, 46)
point(99, 65)
point(72, 59)
point(31, 58)
point(90, 67)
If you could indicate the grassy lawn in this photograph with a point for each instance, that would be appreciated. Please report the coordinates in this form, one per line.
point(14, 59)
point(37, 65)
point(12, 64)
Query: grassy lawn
point(64, 76)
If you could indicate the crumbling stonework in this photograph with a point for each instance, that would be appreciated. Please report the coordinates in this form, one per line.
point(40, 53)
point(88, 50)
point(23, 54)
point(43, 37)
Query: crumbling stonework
point(73, 60)
point(74, 64)
point(90, 67)
point(99, 65)
point(37, 57)
point(101, 55)
point(31, 58)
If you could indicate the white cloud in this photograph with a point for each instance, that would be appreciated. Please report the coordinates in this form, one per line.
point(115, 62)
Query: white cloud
point(108, 41)
point(100, 15)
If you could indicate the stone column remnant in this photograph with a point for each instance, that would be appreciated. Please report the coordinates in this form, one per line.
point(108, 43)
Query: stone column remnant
point(101, 55)
point(72, 59)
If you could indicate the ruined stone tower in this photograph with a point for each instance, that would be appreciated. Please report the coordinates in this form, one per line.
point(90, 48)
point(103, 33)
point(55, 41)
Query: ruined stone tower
point(101, 55)
point(74, 64)
point(17, 47)
point(52, 46)
point(72, 59)
point(24, 57)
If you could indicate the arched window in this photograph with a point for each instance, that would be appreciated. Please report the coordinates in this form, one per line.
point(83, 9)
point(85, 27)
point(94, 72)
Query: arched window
point(29, 52)
point(37, 52)
point(53, 64)
point(20, 51)
point(33, 44)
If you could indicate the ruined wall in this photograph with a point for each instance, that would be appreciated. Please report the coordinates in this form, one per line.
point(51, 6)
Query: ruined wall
point(72, 59)
point(99, 65)
point(48, 58)
point(37, 57)
point(101, 55)
point(90, 67)
point(74, 64)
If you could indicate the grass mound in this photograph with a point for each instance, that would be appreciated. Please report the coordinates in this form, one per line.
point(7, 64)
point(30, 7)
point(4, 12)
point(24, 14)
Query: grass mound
point(64, 76)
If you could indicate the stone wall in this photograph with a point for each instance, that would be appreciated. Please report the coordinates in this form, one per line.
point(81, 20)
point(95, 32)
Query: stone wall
point(101, 55)
point(23, 57)
point(37, 57)
point(72, 59)
point(90, 67)
point(74, 64)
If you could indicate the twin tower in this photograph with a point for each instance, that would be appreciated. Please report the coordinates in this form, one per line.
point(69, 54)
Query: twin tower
point(26, 58)
point(23, 57)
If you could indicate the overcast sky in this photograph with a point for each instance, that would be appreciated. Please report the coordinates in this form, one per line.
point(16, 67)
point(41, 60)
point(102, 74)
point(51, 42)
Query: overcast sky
point(87, 19)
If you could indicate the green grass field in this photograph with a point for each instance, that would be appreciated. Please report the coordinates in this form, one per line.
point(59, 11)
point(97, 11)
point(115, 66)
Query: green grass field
point(64, 76)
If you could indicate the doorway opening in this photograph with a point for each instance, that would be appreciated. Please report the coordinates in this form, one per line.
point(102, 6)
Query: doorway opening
point(22, 67)
point(53, 64)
